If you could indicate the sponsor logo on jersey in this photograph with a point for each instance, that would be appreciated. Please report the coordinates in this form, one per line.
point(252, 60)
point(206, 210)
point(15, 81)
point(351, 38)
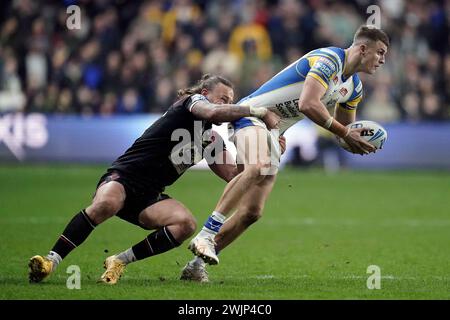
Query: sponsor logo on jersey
point(343, 92)
point(325, 66)
point(335, 79)
point(327, 62)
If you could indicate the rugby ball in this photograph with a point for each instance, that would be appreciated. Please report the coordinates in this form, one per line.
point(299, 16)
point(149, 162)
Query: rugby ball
point(375, 135)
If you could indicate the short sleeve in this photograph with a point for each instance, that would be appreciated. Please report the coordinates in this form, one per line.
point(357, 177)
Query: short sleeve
point(194, 99)
point(323, 69)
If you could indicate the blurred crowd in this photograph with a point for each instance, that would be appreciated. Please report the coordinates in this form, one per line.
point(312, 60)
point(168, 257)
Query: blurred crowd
point(131, 57)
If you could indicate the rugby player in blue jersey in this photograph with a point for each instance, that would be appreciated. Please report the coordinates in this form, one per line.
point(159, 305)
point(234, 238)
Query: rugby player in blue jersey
point(323, 86)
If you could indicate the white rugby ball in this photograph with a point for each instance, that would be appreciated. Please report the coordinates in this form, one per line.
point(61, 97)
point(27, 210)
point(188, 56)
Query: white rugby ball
point(375, 135)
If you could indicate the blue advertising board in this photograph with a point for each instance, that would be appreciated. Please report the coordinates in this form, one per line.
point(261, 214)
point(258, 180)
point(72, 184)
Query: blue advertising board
point(41, 138)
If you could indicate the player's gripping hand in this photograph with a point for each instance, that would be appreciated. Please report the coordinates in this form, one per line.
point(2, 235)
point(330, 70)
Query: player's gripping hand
point(356, 143)
point(271, 119)
point(282, 141)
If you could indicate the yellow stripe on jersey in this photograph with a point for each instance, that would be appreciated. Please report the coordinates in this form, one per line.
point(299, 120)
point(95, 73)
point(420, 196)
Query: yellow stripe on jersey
point(319, 78)
point(325, 70)
point(312, 60)
point(352, 104)
point(347, 108)
point(355, 102)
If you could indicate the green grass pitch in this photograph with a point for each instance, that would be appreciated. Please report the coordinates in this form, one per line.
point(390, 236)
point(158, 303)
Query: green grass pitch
point(318, 235)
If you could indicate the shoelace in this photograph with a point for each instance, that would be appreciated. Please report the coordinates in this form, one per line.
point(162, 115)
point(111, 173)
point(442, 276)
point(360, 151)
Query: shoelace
point(203, 272)
point(211, 241)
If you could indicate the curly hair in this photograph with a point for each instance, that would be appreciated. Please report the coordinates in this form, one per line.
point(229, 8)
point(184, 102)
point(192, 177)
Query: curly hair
point(206, 82)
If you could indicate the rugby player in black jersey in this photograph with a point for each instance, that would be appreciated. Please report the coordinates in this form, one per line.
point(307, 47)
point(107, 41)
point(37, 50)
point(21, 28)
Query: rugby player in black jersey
point(132, 187)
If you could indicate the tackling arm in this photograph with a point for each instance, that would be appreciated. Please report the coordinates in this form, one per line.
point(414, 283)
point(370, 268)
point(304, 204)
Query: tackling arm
point(225, 112)
point(231, 112)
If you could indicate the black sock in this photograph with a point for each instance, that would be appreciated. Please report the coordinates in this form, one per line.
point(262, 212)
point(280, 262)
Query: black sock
point(74, 234)
point(157, 242)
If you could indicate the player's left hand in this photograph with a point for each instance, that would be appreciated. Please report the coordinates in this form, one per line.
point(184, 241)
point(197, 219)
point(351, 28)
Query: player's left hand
point(282, 141)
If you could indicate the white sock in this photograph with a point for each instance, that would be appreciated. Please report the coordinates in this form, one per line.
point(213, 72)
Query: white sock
point(127, 256)
point(212, 225)
point(55, 258)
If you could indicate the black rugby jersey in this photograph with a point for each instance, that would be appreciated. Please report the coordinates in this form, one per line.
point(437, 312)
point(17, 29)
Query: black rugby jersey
point(155, 160)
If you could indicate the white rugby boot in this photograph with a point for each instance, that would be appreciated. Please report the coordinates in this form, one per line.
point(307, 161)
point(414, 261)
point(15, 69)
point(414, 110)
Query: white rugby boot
point(195, 271)
point(205, 248)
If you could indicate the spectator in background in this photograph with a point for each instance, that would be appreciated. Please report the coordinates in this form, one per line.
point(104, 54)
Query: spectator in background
point(65, 103)
point(112, 72)
point(109, 104)
point(87, 100)
point(446, 90)
point(432, 109)
point(92, 71)
point(338, 22)
point(411, 106)
point(8, 33)
point(130, 102)
point(11, 95)
point(381, 106)
point(250, 39)
point(135, 44)
point(164, 89)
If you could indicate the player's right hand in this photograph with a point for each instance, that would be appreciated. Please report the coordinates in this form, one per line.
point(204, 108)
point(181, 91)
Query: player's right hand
point(357, 144)
point(271, 119)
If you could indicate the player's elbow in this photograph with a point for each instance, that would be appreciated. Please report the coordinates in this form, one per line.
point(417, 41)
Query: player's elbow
point(305, 107)
point(231, 174)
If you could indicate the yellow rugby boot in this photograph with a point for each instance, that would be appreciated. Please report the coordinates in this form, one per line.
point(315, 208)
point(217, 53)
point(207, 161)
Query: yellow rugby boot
point(40, 268)
point(114, 270)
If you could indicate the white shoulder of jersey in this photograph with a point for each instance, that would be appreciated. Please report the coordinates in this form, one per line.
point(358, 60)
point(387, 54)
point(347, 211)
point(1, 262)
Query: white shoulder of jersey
point(196, 98)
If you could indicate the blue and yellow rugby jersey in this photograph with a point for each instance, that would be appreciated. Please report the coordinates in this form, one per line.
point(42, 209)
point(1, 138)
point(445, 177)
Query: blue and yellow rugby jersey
point(281, 93)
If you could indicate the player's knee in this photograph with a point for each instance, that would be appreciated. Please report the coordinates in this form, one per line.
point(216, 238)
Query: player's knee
point(187, 225)
point(252, 214)
point(190, 226)
point(103, 209)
